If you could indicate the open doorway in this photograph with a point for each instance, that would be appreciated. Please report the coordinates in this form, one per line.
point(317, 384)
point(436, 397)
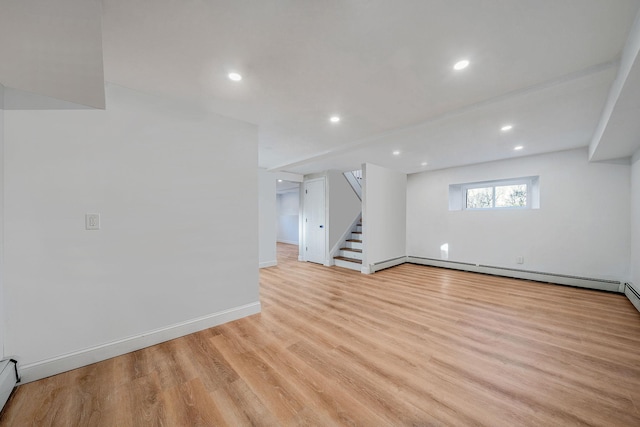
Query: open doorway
point(288, 212)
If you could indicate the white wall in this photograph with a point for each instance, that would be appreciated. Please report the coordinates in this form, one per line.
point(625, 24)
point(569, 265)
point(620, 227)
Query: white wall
point(384, 212)
point(2, 308)
point(288, 212)
point(581, 228)
point(173, 253)
point(267, 215)
point(635, 220)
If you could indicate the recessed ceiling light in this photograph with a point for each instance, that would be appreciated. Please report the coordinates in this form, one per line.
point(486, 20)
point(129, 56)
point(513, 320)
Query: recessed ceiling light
point(396, 153)
point(234, 76)
point(423, 164)
point(334, 119)
point(506, 128)
point(518, 147)
point(279, 180)
point(461, 65)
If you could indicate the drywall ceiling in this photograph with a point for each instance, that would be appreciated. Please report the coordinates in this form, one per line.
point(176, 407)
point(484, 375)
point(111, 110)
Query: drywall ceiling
point(52, 49)
point(618, 132)
point(286, 186)
point(385, 67)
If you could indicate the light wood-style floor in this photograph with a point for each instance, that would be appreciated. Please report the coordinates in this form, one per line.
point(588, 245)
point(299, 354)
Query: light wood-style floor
point(411, 345)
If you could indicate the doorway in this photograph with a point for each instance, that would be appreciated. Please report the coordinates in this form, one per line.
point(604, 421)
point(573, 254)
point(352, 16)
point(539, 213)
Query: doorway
point(288, 212)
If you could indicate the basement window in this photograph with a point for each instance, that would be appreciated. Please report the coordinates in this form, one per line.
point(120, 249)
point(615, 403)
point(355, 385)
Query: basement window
point(515, 193)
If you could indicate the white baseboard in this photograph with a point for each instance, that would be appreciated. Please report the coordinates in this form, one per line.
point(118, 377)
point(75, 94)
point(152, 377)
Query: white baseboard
point(633, 293)
point(265, 264)
point(289, 242)
point(559, 279)
point(46, 368)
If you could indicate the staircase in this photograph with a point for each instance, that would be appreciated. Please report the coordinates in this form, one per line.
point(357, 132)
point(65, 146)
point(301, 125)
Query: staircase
point(350, 255)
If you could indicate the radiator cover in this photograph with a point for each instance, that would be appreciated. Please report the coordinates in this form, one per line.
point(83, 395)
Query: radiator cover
point(560, 279)
point(8, 379)
point(633, 293)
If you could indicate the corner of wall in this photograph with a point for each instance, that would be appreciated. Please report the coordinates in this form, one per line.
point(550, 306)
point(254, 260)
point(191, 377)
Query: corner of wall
point(634, 268)
point(384, 204)
point(2, 311)
point(267, 232)
point(203, 232)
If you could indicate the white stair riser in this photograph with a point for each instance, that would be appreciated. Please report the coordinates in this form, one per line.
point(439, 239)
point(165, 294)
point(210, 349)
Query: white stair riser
point(349, 254)
point(358, 228)
point(347, 264)
point(354, 245)
point(356, 236)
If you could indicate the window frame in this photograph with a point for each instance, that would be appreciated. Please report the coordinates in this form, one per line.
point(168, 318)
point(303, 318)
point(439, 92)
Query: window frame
point(527, 181)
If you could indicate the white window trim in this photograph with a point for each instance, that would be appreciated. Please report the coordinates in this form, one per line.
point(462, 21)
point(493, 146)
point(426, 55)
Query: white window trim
point(493, 184)
point(458, 193)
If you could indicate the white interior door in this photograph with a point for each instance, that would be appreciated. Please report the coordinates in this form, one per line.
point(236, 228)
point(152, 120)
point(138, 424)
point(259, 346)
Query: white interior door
point(314, 218)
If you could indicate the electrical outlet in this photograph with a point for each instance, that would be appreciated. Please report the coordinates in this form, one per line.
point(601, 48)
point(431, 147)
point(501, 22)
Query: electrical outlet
point(92, 221)
point(520, 260)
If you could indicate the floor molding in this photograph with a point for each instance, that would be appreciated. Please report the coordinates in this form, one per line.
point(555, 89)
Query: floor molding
point(266, 264)
point(288, 242)
point(46, 368)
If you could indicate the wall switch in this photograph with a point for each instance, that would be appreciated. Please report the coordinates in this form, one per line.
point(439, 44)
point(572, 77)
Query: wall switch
point(92, 221)
point(520, 260)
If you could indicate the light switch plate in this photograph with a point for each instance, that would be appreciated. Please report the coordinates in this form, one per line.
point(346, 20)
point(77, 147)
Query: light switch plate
point(92, 221)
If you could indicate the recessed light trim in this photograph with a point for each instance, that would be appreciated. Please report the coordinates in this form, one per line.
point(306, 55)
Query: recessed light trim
point(518, 147)
point(334, 119)
point(236, 77)
point(506, 128)
point(461, 65)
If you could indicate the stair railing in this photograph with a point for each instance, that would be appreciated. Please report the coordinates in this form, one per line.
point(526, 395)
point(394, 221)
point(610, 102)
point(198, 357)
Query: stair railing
point(355, 180)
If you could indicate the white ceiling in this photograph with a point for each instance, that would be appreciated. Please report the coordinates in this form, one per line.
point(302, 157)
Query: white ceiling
point(286, 186)
point(385, 67)
point(54, 49)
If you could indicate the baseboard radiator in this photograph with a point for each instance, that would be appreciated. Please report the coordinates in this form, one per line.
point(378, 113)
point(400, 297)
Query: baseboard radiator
point(372, 268)
point(8, 379)
point(633, 293)
point(539, 276)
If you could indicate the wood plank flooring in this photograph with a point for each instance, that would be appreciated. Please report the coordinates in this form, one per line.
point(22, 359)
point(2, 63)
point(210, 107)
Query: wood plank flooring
point(410, 345)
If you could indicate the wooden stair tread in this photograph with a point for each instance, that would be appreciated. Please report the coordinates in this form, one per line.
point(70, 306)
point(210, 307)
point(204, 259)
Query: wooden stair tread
point(344, 258)
point(356, 232)
point(351, 250)
point(354, 240)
